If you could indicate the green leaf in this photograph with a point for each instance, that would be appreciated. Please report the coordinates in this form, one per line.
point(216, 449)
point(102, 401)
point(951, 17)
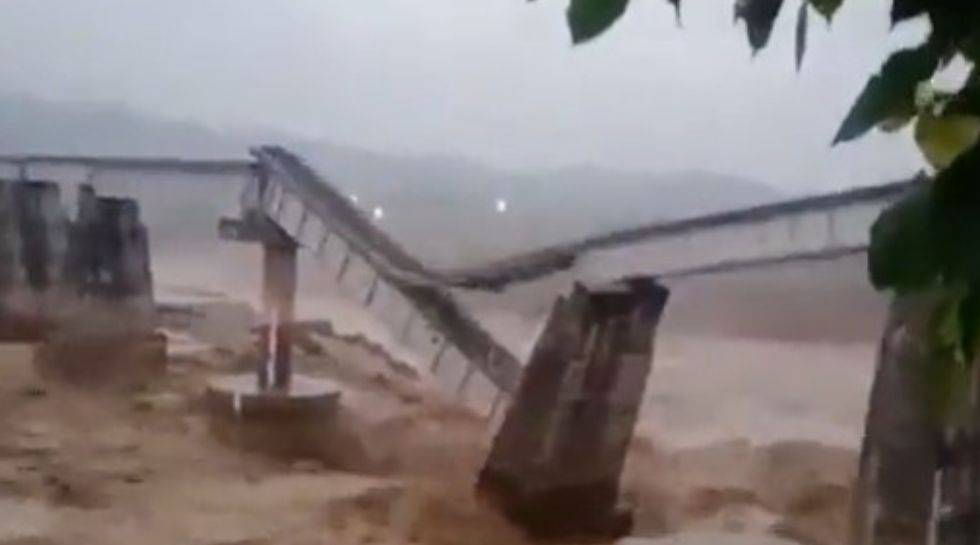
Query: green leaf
point(801, 27)
point(890, 93)
point(901, 255)
point(907, 9)
point(942, 138)
point(590, 18)
point(956, 218)
point(759, 16)
point(827, 8)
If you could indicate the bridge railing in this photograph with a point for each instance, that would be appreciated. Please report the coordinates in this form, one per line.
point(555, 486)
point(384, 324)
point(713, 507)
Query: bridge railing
point(816, 227)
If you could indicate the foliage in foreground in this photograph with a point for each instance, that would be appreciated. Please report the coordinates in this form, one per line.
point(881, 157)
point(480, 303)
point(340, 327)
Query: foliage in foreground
point(927, 241)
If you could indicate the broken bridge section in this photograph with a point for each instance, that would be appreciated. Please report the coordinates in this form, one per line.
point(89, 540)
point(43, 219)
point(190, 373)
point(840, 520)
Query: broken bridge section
point(812, 228)
point(555, 464)
point(272, 410)
point(286, 193)
point(429, 320)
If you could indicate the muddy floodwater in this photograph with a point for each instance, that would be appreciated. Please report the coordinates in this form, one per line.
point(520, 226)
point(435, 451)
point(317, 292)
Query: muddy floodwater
point(743, 439)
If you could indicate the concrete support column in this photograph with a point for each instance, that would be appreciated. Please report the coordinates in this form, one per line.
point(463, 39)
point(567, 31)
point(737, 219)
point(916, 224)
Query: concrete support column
point(106, 322)
point(9, 255)
point(37, 225)
point(109, 258)
point(33, 244)
point(278, 298)
point(272, 410)
point(895, 471)
point(555, 464)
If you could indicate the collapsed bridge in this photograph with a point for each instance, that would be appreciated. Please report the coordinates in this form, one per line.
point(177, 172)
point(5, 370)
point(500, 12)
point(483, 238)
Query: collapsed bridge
point(586, 378)
point(283, 196)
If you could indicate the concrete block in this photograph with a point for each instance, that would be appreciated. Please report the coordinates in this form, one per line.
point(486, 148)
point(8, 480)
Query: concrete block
point(293, 423)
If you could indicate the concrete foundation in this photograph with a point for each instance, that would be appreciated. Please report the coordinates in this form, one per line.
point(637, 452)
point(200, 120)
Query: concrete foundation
point(294, 422)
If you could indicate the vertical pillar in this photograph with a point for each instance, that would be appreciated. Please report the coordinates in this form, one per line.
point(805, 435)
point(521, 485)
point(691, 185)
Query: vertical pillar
point(117, 252)
point(897, 467)
point(42, 232)
point(82, 267)
point(9, 257)
point(555, 464)
point(107, 332)
point(134, 266)
point(278, 298)
point(31, 202)
point(14, 303)
point(272, 410)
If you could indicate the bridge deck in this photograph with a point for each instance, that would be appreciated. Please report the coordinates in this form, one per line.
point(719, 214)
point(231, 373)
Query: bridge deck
point(818, 227)
point(810, 228)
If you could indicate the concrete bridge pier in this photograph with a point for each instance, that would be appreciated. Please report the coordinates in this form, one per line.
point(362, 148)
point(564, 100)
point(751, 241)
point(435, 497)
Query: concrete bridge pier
point(278, 299)
point(555, 464)
point(272, 410)
point(919, 478)
point(32, 246)
point(98, 292)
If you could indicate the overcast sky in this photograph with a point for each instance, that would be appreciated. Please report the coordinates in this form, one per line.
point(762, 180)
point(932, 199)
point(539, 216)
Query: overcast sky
point(494, 80)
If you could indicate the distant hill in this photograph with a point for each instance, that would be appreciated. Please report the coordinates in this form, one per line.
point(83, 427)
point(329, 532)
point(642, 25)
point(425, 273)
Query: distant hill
point(442, 207)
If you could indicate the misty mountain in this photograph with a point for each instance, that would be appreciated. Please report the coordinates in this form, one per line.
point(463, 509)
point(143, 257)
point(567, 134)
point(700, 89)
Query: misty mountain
point(443, 207)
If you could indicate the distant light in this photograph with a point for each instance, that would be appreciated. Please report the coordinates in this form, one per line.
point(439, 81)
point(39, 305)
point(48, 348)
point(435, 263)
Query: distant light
point(501, 206)
point(354, 199)
point(378, 213)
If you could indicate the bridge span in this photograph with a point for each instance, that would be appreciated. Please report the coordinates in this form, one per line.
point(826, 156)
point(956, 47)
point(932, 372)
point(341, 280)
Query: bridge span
point(281, 189)
point(285, 205)
point(819, 227)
